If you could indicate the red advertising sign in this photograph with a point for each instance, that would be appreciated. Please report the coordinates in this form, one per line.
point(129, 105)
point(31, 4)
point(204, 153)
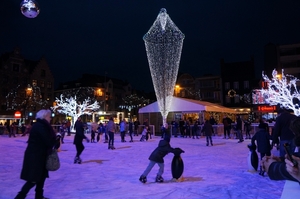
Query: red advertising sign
point(18, 114)
point(266, 108)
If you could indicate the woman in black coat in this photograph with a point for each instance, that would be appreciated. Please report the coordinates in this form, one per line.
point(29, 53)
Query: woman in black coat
point(79, 136)
point(42, 139)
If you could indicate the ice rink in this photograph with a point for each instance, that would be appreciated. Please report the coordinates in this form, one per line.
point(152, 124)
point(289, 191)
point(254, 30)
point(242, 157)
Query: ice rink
point(216, 172)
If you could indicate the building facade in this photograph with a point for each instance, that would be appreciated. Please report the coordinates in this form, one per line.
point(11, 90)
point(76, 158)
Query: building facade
point(280, 57)
point(238, 80)
point(26, 83)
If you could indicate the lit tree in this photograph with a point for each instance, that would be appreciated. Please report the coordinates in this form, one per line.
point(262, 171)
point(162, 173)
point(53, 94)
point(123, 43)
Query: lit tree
point(282, 89)
point(74, 108)
point(25, 99)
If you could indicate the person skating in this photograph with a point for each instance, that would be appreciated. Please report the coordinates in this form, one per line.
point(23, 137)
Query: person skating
point(157, 157)
point(208, 131)
point(79, 136)
point(262, 138)
point(111, 129)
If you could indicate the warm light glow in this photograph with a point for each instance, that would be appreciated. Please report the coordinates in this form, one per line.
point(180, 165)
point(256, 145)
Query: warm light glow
point(163, 44)
point(99, 92)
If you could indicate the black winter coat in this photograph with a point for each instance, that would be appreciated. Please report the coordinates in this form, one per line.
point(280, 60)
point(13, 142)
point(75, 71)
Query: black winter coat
point(79, 136)
point(262, 138)
point(282, 127)
point(161, 151)
point(40, 143)
point(207, 129)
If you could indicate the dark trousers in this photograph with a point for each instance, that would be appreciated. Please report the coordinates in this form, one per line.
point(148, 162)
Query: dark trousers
point(123, 136)
point(130, 134)
point(111, 138)
point(227, 131)
point(79, 149)
point(208, 139)
point(39, 189)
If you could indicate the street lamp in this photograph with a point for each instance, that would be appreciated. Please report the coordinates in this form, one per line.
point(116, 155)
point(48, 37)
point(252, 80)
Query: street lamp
point(28, 97)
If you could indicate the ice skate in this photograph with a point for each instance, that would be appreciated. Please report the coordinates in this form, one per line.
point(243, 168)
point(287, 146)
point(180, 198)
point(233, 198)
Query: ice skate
point(143, 179)
point(159, 179)
point(76, 160)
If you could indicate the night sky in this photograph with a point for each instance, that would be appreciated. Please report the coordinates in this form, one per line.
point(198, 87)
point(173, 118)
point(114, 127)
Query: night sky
point(94, 36)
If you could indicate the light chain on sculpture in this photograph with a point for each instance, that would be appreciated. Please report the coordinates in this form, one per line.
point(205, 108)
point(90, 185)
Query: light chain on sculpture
point(163, 44)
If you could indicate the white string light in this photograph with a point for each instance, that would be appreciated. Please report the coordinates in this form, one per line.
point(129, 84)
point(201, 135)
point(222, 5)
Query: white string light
point(163, 44)
point(282, 89)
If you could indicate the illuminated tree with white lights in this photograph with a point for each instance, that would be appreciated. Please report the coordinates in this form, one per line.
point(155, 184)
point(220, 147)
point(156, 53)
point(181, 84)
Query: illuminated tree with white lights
point(282, 89)
point(74, 108)
point(163, 44)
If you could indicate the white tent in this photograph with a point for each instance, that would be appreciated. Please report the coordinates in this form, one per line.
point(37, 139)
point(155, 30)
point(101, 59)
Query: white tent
point(188, 105)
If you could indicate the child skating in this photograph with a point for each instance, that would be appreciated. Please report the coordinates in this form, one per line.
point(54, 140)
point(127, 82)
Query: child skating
point(157, 157)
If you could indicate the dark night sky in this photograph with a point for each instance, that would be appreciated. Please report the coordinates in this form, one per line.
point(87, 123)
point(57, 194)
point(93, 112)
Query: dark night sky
point(93, 36)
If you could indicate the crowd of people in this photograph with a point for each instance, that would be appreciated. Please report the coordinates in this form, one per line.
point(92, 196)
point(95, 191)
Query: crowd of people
point(43, 138)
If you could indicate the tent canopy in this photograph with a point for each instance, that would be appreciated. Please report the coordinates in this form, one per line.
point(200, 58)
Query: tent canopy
point(187, 105)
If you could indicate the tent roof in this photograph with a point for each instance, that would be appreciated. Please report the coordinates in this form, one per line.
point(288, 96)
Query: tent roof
point(187, 105)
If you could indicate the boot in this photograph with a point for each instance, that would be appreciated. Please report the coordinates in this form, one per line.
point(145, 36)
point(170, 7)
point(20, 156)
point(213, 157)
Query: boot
point(261, 171)
point(20, 196)
point(159, 178)
point(112, 147)
point(79, 160)
point(143, 179)
point(109, 147)
point(39, 195)
point(75, 160)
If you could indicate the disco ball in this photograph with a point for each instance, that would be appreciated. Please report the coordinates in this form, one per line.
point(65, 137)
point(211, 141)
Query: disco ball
point(29, 8)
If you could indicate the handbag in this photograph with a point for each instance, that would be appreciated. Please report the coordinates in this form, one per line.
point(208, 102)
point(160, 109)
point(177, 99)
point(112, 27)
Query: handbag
point(52, 162)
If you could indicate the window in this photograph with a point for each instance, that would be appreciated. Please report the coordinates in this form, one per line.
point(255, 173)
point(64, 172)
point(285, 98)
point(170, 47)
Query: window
point(227, 99)
point(246, 84)
point(42, 84)
point(217, 95)
point(227, 85)
point(49, 97)
point(16, 67)
point(34, 82)
point(235, 85)
point(49, 85)
point(43, 73)
point(236, 99)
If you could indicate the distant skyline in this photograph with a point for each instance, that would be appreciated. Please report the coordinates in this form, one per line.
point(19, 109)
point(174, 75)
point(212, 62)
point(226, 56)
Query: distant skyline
point(98, 36)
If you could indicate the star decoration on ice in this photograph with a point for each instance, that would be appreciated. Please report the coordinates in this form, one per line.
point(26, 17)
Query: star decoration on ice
point(163, 44)
point(282, 89)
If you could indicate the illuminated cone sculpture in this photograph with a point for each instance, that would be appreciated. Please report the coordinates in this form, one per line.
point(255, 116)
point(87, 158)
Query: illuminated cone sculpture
point(163, 44)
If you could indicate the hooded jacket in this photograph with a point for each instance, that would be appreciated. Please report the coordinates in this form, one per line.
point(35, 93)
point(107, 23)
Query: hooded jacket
point(161, 151)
